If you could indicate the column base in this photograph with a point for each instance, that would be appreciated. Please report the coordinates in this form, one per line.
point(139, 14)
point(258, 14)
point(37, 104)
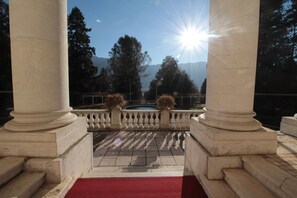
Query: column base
point(225, 142)
point(73, 163)
point(47, 143)
point(41, 121)
point(201, 163)
point(289, 125)
point(232, 122)
point(61, 153)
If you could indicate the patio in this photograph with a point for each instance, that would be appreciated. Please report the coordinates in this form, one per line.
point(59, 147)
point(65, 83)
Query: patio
point(139, 148)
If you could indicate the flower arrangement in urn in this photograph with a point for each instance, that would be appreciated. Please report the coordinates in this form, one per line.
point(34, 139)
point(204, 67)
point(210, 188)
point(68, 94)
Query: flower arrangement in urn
point(165, 102)
point(115, 101)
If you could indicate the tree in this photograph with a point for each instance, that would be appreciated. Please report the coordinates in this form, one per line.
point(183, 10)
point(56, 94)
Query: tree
point(5, 62)
point(127, 62)
point(81, 68)
point(171, 80)
point(291, 23)
point(102, 82)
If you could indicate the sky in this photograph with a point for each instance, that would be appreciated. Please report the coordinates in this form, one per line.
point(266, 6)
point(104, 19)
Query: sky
point(163, 27)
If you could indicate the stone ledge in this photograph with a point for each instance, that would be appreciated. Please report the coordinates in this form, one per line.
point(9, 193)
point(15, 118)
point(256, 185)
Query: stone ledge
point(223, 142)
point(49, 143)
point(290, 120)
point(289, 126)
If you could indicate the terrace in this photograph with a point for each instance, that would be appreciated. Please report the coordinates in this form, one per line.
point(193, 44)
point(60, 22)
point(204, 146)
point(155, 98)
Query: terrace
point(46, 148)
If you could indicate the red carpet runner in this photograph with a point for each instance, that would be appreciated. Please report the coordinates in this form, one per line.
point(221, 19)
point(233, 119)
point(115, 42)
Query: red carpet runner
point(156, 187)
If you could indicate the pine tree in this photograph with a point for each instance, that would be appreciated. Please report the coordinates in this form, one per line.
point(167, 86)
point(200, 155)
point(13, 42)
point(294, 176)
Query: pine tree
point(127, 62)
point(81, 68)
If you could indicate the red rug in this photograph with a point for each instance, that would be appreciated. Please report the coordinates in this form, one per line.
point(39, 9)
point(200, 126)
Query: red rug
point(156, 187)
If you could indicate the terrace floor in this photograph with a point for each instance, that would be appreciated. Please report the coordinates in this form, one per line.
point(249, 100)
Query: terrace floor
point(139, 149)
point(147, 151)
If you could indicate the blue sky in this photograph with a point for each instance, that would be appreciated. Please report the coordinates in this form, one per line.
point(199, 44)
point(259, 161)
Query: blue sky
point(157, 24)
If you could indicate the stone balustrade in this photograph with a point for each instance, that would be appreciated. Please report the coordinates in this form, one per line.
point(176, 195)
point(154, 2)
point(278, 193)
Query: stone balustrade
point(101, 119)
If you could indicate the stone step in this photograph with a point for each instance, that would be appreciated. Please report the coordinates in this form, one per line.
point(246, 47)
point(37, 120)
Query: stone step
point(245, 185)
point(24, 185)
point(275, 179)
point(217, 188)
point(10, 167)
point(55, 190)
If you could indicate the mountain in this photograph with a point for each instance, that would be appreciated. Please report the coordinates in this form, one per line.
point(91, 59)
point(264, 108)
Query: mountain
point(196, 71)
point(99, 63)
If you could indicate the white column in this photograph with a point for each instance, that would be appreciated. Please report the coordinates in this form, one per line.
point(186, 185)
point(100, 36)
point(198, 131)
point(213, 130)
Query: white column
point(39, 53)
point(231, 68)
point(227, 129)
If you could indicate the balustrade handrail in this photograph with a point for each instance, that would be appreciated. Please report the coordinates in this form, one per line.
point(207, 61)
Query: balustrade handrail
point(132, 119)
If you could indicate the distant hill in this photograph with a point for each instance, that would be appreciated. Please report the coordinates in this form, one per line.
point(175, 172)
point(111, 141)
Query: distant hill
point(196, 71)
point(99, 63)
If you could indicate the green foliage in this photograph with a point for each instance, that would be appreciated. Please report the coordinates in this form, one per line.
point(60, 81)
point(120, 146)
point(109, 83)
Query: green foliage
point(165, 101)
point(127, 62)
point(170, 79)
point(81, 68)
point(115, 100)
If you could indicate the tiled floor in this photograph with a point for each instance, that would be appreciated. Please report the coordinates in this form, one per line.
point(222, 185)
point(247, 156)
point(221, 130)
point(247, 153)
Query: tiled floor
point(139, 148)
point(286, 157)
point(161, 149)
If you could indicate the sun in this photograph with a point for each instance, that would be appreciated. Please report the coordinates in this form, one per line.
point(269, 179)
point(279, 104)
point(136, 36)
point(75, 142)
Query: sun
point(191, 38)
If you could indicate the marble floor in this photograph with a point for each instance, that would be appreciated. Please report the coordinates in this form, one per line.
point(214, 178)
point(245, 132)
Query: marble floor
point(139, 149)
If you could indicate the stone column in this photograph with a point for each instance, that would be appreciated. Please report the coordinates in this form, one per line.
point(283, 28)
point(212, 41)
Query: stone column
point(231, 68)
point(227, 129)
point(43, 129)
point(39, 53)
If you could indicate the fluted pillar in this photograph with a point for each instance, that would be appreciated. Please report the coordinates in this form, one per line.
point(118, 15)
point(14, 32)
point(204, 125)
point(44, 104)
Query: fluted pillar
point(39, 53)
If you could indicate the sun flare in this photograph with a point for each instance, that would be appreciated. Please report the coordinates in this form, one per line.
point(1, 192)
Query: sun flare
point(191, 38)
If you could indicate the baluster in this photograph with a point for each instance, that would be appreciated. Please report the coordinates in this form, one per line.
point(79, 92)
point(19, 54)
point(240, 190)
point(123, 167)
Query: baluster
point(130, 120)
point(157, 121)
point(152, 123)
point(177, 121)
point(172, 121)
point(97, 120)
point(183, 120)
point(135, 121)
point(124, 122)
point(146, 120)
point(102, 123)
point(188, 120)
point(92, 120)
point(107, 120)
point(141, 120)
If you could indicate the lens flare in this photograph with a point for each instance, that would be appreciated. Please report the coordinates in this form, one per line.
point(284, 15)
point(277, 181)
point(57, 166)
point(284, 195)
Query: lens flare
point(191, 38)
